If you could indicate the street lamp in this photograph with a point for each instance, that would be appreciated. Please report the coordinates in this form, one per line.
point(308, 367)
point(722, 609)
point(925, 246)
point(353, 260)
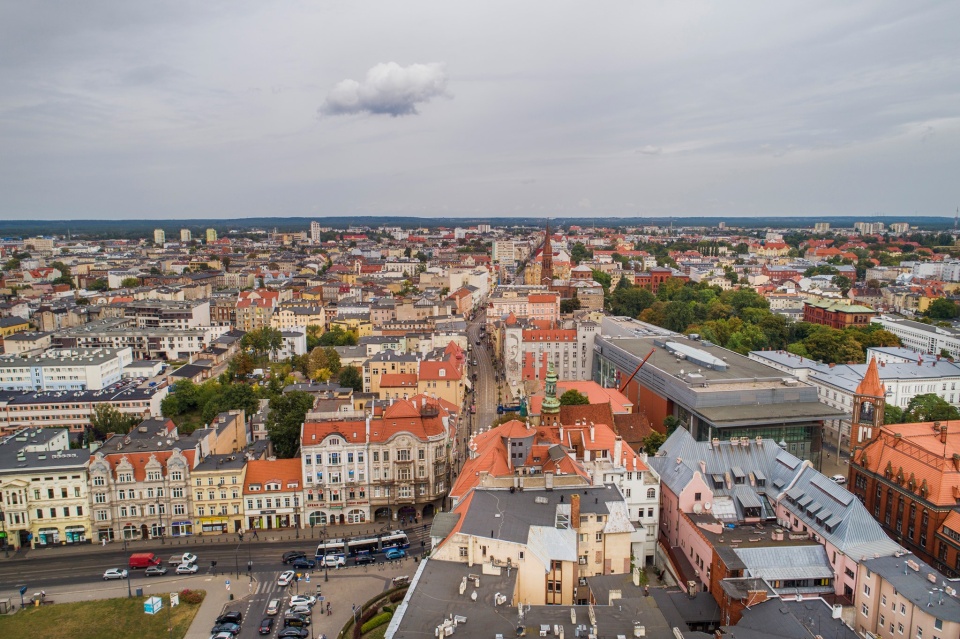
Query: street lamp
point(3, 524)
point(129, 592)
point(160, 514)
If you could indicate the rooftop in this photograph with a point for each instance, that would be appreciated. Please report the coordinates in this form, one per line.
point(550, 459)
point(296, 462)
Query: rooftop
point(916, 586)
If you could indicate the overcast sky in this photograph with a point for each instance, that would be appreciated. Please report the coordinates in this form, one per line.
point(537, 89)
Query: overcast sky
point(237, 109)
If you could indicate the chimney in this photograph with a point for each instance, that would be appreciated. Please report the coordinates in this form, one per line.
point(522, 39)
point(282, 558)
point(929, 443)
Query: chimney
point(575, 511)
point(617, 449)
point(943, 433)
point(592, 432)
point(561, 433)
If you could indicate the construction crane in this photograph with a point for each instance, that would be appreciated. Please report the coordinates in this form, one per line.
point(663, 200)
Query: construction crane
point(637, 370)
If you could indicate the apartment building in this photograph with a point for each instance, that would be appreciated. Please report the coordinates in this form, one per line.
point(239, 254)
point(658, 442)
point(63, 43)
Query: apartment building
point(218, 482)
point(273, 493)
point(922, 338)
point(43, 489)
point(529, 348)
point(293, 315)
point(65, 369)
point(146, 343)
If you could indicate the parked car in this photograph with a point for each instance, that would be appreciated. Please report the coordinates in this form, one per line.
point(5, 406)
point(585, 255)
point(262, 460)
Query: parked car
point(155, 571)
point(293, 633)
point(231, 616)
point(297, 621)
point(302, 609)
point(302, 600)
point(266, 626)
point(363, 560)
point(115, 573)
point(334, 561)
point(187, 569)
point(395, 553)
point(290, 555)
point(840, 479)
point(221, 635)
point(232, 628)
point(273, 607)
point(286, 578)
point(303, 562)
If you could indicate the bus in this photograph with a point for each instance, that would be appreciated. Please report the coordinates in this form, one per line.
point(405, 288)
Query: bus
point(331, 547)
point(368, 544)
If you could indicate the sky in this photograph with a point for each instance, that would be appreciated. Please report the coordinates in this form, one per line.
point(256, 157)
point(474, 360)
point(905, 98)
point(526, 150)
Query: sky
point(135, 110)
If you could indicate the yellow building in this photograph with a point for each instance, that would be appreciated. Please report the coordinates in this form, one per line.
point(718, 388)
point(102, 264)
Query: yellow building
point(290, 315)
point(211, 235)
point(11, 325)
point(361, 327)
point(218, 494)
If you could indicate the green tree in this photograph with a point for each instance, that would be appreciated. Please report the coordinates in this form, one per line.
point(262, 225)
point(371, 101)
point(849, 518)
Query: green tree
point(631, 301)
point(12, 264)
point(942, 309)
point(653, 442)
point(230, 397)
point(98, 285)
point(241, 365)
point(262, 341)
point(287, 413)
point(930, 408)
point(603, 279)
point(107, 419)
point(570, 305)
point(892, 414)
point(352, 377)
point(573, 397)
point(323, 359)
point(843, 283)
point(66, 277)
point(338, 337)
point(671, 423)
point(130, 282)
point(579, 253)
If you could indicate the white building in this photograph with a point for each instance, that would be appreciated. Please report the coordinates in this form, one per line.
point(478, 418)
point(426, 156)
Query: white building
point(159, 237)
point(65, 369)
point(922, 338)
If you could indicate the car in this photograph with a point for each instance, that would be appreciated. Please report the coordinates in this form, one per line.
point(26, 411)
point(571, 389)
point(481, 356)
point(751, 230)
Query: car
point(155, 571)
point(297, 621)
point(395, 553)
point(232, 616)
point(293, 554)
point(303, 600)
point(478, 342)
point(334, 561)
point(115, 573)
point(187, 569)
point(266, 626)
point(303, 562)
point(188, 558)
point(474, 362)
point(839, 479)
point(273, 607)
point(221, 635)
point(286, 578)
point(302, 609)
point(363, 560)
point(232, 628)
point(293, 633)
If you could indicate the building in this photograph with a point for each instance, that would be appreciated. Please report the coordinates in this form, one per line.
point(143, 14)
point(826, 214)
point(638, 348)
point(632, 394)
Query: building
point(159, 237)
point(140, 483)
point(255, 309)
point(146, 343)
point(27, 343)
point(298, 315)
point(218, 482)
point(820, 228)
point(923, 338)
point(904, 597)
point(272, 491)
point(711, 391)
point(530, 347)
point(837, 314)
point(166, 314)
point(43, 489)
point(186, 235)
point(211, 236)
point(868, 228)
point(553, 539)
point(385, 466)
point(65, 369)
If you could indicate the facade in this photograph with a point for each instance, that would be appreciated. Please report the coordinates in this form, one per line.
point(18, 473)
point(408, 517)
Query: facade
point(272, 493)
point(43, 489)
point(838, 315)
point(390, 465)
point(159, 237)
point(923, 338)
point(65, 370)
point(218, 482)
point(211, 236)
point(146, 343)
point(529, 349)
point(186, 235)
point(294, 315)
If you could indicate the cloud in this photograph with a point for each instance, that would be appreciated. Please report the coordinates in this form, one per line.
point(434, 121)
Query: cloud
point(650, 150)
point(388, 89)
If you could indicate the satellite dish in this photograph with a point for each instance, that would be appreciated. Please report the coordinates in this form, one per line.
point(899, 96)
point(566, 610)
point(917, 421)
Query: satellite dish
point(697, 509)
point(707, 506)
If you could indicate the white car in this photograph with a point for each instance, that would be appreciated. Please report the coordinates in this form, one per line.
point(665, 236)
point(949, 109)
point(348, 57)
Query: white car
point(222, 635)
point(334, 561)
point(285, 578)
point(302, 609)
point(302, 600)
point(188, 558)
point(187, 569)
point(840, 479)
point(115, 573)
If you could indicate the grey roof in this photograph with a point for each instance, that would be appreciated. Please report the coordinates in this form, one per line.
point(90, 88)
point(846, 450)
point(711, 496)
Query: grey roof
point(914, 585)
point(28, 449)
point(443, 524)
point(225, 462)
point(771, 563)
point(681, 609)
point(782, 619)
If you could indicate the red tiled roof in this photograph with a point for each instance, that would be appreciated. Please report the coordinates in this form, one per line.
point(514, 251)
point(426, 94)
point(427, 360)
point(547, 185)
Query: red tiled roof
point(282, 471)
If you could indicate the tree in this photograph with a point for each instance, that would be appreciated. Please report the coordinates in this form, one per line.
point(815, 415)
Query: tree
point(892, 414)
point(930, 408)
point(942, 308)
point(230, 397)
point(352, 377)
point(287, 413)
point(653, 442)
point(323, 359)
point(573, 397)
point(130, 282)
point(338, 337)
point(843, 283)
point(12, 264)
point(603, 279)
point(65, 276)
point(108, 419)
point(631, 301)
point(671, 423)
point(570, 305)
point(241, 365)
point(98, 285)
point(262, 341)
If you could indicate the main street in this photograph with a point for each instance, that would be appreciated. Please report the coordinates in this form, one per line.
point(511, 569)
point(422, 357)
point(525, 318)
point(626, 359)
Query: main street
point(485, 388)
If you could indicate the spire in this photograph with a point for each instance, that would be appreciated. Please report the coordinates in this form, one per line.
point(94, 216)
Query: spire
point(550, 405)
point(546, 262)
point(871, 385)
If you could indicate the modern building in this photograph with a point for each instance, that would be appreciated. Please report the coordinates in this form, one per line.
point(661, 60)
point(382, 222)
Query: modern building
point(65, 369)
point(186, 235)
point(530, 347)
point(923, 338)
point(146, 343)
point(211, 236)
point(159, 237)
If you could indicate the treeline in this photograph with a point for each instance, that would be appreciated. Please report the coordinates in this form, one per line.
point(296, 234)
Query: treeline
point(741, 320)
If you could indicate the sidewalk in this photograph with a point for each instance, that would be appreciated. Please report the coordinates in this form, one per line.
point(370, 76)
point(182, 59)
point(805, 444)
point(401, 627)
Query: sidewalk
point(304, 539)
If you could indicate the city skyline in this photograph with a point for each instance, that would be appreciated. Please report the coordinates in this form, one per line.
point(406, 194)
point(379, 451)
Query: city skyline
point(425, 109)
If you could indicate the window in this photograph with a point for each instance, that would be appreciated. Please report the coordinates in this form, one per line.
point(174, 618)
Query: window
point(883, 600)
point(177, 493)
point(864, 610)
point(176, 476)
point(100, 498)
point(651, 493)
point(880, 622)
point(178, 509)
point(463, 551)
point(99, 481)
point(900, 628)
point(696, 496)
point(599, 536)
point(866, 590)
point(903, 610)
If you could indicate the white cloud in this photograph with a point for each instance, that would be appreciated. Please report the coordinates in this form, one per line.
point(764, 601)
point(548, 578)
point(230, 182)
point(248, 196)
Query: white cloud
point(388, 89)
point(650, 150)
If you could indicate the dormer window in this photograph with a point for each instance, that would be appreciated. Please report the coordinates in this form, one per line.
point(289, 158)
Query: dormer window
point(273, 486)
point(254, 487)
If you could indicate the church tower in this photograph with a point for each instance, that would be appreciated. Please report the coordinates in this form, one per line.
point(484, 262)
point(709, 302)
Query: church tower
point(550, 408)
point(869, 401)
point(546, 262)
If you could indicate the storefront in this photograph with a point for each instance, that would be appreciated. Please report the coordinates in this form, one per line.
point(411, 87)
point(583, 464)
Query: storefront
point(214, 525)
point(356, 516)
point(181, 528)
point(104, 533)
point(76, 534)
point(48, 536)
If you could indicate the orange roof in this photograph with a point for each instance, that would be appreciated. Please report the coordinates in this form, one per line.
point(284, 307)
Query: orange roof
point(870, 384)
point(555, 335)
point(285, 472)
point(403, 415)
point(542, 298)
point(920, 454)
point(438, 370)
point(395, 380)
point(139, 460)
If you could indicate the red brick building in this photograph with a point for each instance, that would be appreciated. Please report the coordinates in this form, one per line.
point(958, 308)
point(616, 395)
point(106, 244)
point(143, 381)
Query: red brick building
point(837, 314)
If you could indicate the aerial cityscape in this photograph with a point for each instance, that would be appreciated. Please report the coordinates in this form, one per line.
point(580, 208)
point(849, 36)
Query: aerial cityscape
point(341, 320)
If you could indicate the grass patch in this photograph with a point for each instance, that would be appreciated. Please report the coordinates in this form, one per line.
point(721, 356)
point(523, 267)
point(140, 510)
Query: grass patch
point(102, 619)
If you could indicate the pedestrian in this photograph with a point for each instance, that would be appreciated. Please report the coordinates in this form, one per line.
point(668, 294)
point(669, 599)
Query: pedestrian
point(255, 535)
point(103, 542)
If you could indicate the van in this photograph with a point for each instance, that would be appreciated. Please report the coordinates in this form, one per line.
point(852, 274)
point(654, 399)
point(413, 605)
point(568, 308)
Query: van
point(839, 479)
point(144, 560)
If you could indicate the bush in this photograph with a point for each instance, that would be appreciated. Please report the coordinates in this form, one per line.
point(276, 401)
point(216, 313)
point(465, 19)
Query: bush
point(387, 609)
point(376, 622)
point(398, 596)
point(191, 596)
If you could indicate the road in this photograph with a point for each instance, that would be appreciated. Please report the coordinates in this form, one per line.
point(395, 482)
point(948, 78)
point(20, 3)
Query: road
point(485, 388)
